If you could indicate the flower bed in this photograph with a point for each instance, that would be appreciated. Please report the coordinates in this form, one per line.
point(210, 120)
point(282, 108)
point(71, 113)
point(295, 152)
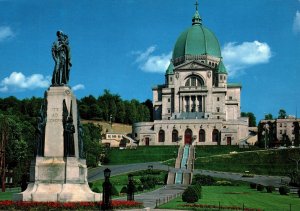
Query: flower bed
point(36, 206)
point(207, 206)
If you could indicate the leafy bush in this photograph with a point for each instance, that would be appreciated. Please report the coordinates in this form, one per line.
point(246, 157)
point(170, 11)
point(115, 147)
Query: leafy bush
point(146, 186)
point(198, 190)
point(114, 191)
point(223, 183)
point(123, 190)
point(97, 190)
point(270, 188)
point(90, 184)
point(284, 190)
point(204, 180)
point(190, 195)
point(140, 188)
point(260, 187)
point(253, 185)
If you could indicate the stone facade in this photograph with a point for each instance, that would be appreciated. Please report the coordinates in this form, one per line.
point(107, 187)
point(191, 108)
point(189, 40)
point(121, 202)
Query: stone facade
point(283, 127)
point(196, 105)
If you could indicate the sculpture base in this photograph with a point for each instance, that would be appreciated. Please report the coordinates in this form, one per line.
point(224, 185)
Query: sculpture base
point(57, 193)
point(58, 179)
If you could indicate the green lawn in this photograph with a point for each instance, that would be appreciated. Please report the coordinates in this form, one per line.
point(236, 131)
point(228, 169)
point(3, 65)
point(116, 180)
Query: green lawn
point(239, 195)
point(271, 162)
point(142, 154)
point(8, 194)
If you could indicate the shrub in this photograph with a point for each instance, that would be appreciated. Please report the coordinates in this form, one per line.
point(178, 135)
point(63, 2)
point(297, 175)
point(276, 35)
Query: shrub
point(260, 187)
point(198, 190)
point(190, 195)
point(270, 188)
point(204, 180)
point(298, 192)
point(284, 190)
point(223, 183)
point(97, 190)
point(90, 184)
point(114, 191)
point(253, 185)
point(146, 186)
point(140, 188)
point(124, 189)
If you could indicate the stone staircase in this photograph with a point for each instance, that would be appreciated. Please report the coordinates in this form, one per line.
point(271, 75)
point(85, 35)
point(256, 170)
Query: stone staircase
point(184, 166)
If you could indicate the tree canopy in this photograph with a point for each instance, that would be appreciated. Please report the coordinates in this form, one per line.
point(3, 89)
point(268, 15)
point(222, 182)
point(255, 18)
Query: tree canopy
point(252, 118)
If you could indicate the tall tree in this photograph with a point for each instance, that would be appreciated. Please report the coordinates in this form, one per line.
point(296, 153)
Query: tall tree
point(149, 105)
point(268, 116)
point(296, 133)
point(282, 114)
point(252, 118)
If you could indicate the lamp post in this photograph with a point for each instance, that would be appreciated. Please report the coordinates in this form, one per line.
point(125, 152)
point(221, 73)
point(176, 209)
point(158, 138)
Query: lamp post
point(110, 121)
point(130, 188)
point(106, 196)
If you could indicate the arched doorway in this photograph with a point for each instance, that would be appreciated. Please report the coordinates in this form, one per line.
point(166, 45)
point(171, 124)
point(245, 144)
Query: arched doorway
point(201, 135)
point(188, 135)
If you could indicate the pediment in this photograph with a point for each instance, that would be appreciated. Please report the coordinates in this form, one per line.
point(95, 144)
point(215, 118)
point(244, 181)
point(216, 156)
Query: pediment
point(193, 65)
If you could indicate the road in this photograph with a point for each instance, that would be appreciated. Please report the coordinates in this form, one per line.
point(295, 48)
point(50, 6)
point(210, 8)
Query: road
point(97, 173)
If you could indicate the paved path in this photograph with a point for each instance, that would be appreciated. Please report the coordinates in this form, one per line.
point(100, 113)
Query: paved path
point(159, 196)
point(97, 173)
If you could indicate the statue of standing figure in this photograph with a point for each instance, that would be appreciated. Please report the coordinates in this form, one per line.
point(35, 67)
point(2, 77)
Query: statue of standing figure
point(69, 130)
point(62, 57)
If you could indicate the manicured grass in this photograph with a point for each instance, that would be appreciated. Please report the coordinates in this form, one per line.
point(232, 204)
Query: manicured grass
point(205, 151)
point(141, 154)
point(270, 162)
point(8, 194)
point(239, 195)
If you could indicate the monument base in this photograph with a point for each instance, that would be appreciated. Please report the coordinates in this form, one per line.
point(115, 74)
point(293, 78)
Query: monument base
point(58, 179)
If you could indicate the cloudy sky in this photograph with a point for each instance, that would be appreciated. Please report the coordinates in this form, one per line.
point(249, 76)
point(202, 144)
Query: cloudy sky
point(125, 46)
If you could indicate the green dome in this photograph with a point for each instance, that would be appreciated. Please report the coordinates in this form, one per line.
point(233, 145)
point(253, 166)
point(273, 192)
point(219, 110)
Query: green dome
point(197, 40)
point(170, 69)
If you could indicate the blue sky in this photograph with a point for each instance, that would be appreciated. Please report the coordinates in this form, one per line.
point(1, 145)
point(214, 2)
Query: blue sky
point(125, 46)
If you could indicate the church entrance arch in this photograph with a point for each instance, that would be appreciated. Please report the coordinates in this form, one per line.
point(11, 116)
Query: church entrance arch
point(188, 135)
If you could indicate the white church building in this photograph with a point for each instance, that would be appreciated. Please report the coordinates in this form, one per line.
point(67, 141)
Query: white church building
point(196, 105)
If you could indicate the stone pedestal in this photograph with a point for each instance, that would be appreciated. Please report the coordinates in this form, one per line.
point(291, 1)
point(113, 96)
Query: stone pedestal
point(55, 177)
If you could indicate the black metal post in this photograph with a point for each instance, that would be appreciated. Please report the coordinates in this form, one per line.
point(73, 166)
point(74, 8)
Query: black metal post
point(130, 188)
point(106, 194)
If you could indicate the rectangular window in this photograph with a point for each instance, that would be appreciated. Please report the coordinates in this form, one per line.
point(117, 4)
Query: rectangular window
point(230, 97)
point(218, 109)
point(218, 99)
point(169, 100)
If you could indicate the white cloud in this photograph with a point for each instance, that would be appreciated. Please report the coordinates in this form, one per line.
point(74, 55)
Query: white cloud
point(296, 24)
point(78, 87)
point(17, 81)
point(238, 57)
point(152, 63)
point(5, 33)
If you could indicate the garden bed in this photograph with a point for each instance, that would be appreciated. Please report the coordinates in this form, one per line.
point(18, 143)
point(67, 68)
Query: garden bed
point(53, 206)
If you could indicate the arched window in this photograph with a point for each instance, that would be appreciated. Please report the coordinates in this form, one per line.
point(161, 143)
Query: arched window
point(202, 135)
point(215, 135)
point(174, 135)
point(194, 81)
point(161, 136)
